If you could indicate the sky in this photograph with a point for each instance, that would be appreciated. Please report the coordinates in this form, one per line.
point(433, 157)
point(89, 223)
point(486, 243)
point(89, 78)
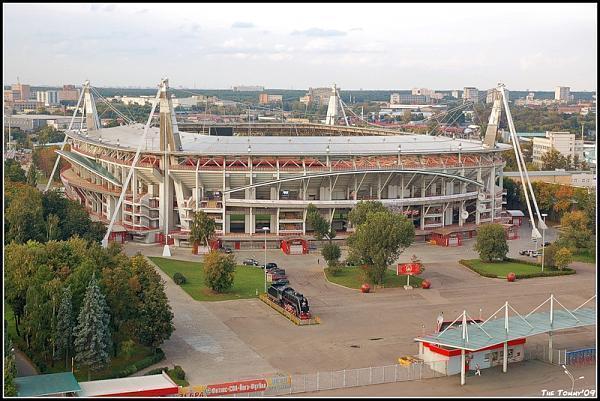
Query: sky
point(296, 46)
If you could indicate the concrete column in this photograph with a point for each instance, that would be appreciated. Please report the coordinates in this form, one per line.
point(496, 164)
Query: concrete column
point(505, 358)
point(422, 217)
point(550, 346)
point(462, 367)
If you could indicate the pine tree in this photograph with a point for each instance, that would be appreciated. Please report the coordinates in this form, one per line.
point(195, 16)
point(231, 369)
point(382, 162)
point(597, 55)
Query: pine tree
point(64, 325)
point(92, 333)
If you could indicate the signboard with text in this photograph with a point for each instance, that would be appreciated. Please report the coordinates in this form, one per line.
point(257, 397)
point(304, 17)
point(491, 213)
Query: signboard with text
point(212, 390)
point(411, 269)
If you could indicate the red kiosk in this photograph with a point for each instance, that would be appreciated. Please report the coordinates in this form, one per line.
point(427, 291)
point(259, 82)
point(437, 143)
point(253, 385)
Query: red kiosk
point(295, 246)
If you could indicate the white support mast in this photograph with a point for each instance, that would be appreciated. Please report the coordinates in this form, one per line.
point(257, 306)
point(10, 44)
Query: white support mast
point(85, 89)
point(130, 174)
point(525, 181)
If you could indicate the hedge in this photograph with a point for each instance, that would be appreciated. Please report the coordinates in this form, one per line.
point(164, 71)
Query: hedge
point(548, 272)
point(158, 356)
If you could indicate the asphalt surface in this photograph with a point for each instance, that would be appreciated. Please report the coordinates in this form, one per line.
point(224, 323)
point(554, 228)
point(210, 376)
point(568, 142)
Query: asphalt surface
point(358, 330)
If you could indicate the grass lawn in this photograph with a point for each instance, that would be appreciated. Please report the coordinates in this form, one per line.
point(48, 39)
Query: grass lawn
point(247, 280)
point(585, 257)
point(351, 277)
point(501, 269)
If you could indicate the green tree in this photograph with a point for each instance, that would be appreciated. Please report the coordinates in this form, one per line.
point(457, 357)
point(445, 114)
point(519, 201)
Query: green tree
point(491, 242)
point(219, 270)
point(358, 215)
point(331, 253)
point(32, 176)
point(92, 333)
point(319, 224)
point(575, 233)
point(13, 171)
point(10, 369)
point(202, 227)
point(379, 240)
point(23, 218)
point(154, 316)
point(553, 159)
point(512, 194)
point(64, 325)
point(52, 230)
point(563, 258)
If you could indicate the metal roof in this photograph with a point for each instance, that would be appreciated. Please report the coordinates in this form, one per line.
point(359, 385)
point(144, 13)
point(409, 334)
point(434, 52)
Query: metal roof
point(494, 332)
point(50, 384)
point(89, 165)
point(128, 137)
point(126, 385)
point(516, 213)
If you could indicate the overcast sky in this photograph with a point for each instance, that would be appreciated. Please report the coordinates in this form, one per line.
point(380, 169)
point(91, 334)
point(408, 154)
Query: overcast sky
point(369, 46)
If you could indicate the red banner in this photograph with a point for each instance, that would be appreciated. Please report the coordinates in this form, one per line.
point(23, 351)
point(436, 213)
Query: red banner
point(411, 269)
point(246, 386)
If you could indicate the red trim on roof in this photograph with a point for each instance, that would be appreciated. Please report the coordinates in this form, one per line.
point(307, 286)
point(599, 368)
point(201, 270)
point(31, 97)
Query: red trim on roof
point(455, 352)
point(145, 393)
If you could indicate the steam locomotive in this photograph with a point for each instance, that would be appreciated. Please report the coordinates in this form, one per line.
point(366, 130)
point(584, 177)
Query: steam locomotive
point(290, 300)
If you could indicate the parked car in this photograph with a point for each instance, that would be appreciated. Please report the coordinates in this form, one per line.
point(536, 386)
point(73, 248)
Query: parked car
point(226, 249)
point(535, 254)
point(547, 243)
point(250, 262)
point(283, 281)
point(525, 252)
point(271, 265)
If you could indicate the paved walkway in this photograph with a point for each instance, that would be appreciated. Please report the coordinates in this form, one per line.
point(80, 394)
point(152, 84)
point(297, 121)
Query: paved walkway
point(206, 349)
point(24, 366)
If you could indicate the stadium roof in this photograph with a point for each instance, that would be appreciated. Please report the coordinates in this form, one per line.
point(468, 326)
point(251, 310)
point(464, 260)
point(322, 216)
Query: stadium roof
point(494, 332)
point(128, 137)
point(89, 165)
point(44, 385)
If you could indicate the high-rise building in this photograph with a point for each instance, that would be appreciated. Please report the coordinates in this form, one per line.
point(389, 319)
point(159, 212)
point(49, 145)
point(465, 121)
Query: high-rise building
point(457, 94)
point(397, 98)
point(489, 98)
point(562, 93)
point(49, 98)
point(23, 90)
point(471, 94)
point(69, 92)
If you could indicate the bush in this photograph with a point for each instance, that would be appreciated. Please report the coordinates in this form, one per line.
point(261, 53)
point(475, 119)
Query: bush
point(177, 373)
point(156, 371)
point(179, 278)
point(219, 271)
point(127, 348)
point(331, 253)
point(491, 242)
point(335, 268)
point(158, 356)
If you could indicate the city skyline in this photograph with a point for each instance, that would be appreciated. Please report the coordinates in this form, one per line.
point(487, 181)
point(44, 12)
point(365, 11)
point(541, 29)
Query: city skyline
point(296, 46)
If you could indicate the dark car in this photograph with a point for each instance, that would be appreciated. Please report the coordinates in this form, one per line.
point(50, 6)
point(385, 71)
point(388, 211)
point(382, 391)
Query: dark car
point(547, 243)
point(226, 249)
point(271, 265)
point(250, 262)
point(282, 281)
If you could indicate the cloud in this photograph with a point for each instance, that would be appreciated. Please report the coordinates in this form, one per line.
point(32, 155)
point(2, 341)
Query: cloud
point(319, 32)
point(240, 24)
point(98, 7)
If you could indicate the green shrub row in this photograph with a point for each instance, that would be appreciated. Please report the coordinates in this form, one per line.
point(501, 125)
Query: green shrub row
point(468, 264)
point(547, 273)
point(158, 356)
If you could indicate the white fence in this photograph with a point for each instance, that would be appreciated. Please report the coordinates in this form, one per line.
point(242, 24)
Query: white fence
point(351, 378)
point(581, 357)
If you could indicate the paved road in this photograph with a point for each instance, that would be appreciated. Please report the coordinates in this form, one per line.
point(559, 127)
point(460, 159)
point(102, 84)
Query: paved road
point(357, 330)
point(526, 379)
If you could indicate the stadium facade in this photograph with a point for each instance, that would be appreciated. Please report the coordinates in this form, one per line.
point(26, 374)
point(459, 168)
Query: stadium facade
point(251, 176)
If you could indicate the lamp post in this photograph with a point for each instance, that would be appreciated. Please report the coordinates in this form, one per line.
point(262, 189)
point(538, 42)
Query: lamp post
point(571, 377)
point(543, 239)
point(265, 229)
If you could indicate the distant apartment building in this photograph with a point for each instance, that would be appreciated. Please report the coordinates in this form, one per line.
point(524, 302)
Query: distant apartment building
point(305, 99)
point(17, 92)
point(471, 94)
point(457, 94)
point(69, 92)
point(31, 122)
point(49, 98)
point(265, 98)
point(582, 179)
point(489, 98)
point(248, 88)
point(562, 94)
point(422, 91)
point(397, 98)
point(564, 142)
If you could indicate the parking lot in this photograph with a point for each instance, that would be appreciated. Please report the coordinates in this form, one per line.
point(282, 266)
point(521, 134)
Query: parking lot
point(357, 330)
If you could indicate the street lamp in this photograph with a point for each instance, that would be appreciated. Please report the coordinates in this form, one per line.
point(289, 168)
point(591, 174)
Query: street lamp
point(571, 377)
point(543, 239)
point(265, 229)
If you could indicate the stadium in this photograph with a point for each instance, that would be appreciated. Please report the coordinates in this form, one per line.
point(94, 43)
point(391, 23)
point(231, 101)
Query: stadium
point(253, 177)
